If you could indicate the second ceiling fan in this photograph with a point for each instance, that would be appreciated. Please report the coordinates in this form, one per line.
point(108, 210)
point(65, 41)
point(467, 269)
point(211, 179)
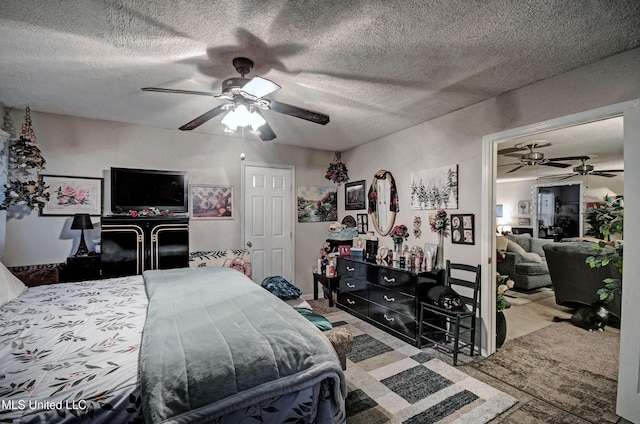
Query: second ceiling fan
point(532, 157)
point(246, 101)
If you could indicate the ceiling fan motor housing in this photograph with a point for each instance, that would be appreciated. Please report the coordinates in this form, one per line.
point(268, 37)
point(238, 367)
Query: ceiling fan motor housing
point(231, 84)
point(532, 157)
point(583, 169)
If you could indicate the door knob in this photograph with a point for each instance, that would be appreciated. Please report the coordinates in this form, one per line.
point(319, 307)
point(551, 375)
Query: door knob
point(249, 244)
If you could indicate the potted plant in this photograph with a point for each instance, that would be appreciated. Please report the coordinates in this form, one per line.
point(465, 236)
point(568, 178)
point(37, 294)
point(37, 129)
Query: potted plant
point(605, 221)
point(503, 283)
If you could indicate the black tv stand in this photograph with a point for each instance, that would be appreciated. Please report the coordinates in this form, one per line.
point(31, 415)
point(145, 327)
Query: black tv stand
point(131, 245)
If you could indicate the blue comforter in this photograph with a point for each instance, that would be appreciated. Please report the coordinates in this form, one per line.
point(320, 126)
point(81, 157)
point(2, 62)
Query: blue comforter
point(215, 342)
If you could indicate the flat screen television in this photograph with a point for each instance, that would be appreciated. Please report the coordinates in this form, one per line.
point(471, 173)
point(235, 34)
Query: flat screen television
point(139, 189)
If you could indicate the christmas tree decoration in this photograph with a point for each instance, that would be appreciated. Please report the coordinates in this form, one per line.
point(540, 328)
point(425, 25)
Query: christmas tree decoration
point(25, 186)
point(337, 171)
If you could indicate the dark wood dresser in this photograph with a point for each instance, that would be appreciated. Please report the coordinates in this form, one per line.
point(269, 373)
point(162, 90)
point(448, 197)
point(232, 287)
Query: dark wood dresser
point(386, 297)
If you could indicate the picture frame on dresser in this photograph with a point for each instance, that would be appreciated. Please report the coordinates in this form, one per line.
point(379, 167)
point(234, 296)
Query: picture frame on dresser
point(69, 195)
point(211, 201)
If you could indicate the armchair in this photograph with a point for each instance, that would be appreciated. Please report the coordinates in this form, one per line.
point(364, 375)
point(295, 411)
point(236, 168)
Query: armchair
point(522, 258)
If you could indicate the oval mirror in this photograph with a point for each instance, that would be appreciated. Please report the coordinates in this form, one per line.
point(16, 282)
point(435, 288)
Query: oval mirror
point(383, 202)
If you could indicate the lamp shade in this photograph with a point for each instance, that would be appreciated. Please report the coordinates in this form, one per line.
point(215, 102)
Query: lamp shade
point(81, 221)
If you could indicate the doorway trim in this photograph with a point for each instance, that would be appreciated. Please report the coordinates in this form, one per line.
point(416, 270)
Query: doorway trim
point(489, 175)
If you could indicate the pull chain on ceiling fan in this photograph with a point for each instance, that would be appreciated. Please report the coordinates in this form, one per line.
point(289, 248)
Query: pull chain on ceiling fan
point(247, 101)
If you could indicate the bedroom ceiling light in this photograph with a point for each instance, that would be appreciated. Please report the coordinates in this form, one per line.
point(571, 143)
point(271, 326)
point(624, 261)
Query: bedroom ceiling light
point(240, 116)
point(82, 221)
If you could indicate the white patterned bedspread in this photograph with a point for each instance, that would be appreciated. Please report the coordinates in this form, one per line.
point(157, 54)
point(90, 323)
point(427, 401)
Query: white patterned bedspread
point(69, 350)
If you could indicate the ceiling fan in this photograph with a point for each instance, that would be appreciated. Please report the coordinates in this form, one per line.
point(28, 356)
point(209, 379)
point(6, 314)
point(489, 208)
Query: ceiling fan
point(532, 158)
point(246, 100)
point(586, 169)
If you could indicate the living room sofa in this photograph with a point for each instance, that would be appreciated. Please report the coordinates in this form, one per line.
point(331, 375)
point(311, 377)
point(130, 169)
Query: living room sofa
point(574, 282)
point(522, 258)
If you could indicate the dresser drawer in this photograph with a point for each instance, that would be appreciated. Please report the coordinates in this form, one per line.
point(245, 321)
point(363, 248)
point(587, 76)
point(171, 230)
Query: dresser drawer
point(393, 319)
point(395, 280)
point(354, 286)
point(393, 300)
point(353, 302)
point(352, 269)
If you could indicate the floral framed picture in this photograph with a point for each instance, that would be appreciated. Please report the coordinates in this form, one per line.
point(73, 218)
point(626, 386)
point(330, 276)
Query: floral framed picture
point(71, 195)
point(354, 195)
point(211, 201)
point(462, 229)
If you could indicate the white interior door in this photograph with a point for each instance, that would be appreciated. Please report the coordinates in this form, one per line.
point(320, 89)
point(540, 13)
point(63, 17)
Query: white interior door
point(267, 219)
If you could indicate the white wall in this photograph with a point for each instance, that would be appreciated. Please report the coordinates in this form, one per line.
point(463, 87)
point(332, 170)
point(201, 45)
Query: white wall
point(83, 147)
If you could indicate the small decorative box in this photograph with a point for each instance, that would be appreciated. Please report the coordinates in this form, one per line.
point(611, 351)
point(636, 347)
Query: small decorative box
point(357, 253)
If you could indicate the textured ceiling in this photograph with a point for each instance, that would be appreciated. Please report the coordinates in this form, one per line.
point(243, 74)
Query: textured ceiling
point(376, 67)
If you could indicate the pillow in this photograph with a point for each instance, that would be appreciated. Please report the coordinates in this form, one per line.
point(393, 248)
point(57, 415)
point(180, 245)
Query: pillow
point(527, 256)
point(318, 320)
point(445, 297)
point(299, 303)
point(10, 286)
point(281, 288)
point(501, 244)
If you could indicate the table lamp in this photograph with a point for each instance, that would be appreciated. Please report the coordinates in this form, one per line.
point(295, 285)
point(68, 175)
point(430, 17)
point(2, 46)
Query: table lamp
point(82, 221)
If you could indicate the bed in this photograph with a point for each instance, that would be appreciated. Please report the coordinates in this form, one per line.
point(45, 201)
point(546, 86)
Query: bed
point(184, 345)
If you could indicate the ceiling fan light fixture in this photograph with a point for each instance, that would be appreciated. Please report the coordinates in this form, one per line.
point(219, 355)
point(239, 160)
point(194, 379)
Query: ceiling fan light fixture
point(240, 116)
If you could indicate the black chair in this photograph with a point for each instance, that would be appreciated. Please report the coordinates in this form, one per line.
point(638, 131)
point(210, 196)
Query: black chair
point(442, 328)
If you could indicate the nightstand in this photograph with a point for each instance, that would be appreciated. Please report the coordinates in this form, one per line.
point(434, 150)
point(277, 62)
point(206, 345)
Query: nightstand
point(81, 268)
point(331, 284)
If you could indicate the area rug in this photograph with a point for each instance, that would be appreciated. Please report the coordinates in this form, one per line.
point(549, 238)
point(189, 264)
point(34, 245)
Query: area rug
point(570, 368)
point(516, 297)
point(391, 381)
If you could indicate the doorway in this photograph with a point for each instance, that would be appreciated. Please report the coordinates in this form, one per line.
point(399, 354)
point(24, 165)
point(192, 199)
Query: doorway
point(558, 211)
point(627, 404)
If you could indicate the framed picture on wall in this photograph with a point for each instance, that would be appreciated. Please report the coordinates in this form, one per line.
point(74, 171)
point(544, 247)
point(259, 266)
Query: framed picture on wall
point(462, 229)
point(524, 207)
point(524, 221)
point(211, 201)
point(362, 223)
point(354, 195)
point(71, 195)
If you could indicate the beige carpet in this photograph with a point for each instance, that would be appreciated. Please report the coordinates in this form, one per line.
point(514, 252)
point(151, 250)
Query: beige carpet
point(570, 368)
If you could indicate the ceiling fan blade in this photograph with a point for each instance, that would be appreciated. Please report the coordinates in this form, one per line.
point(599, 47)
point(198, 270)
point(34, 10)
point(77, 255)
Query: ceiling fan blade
point(556, 164)
point(510, 164)
point(610, 170)
point(558, 176)
point(510, 150)
point(515, 169)
point(264, 131)
point(603, 174)
point(569, 158)
point(513, 155)
point(171, 90)
point(204, 117)
point(318, 118)
point(259, 87)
